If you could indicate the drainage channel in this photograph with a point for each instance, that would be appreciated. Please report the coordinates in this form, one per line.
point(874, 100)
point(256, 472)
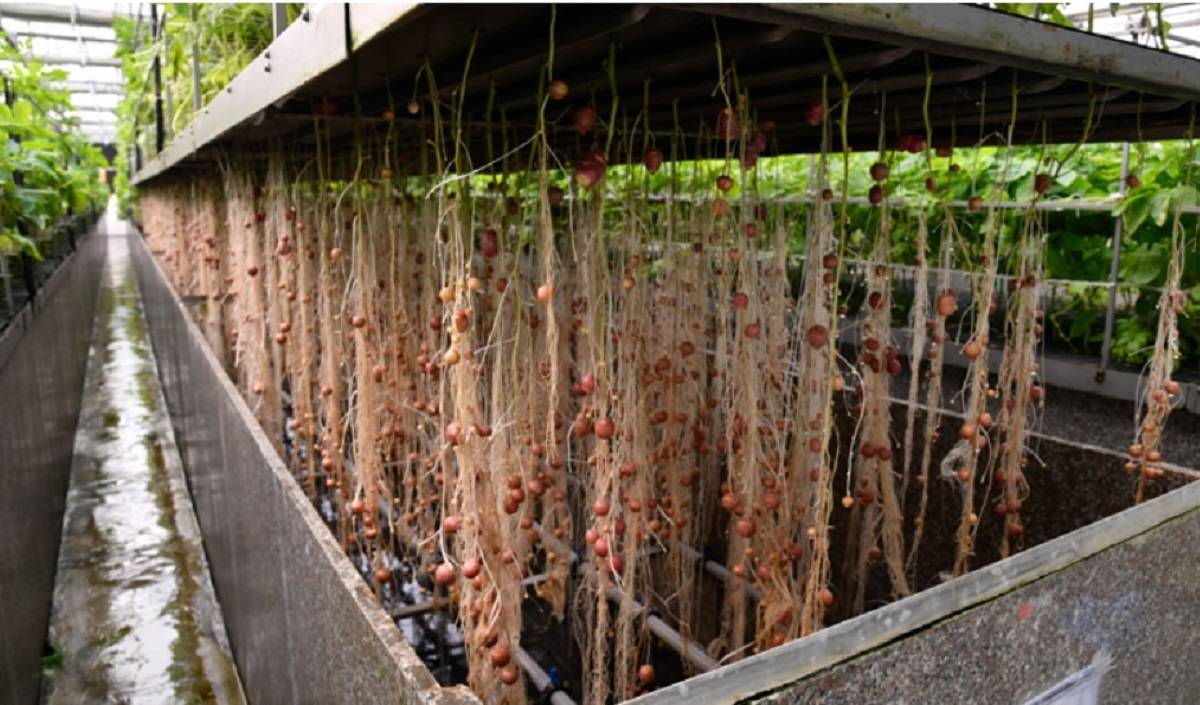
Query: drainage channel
point(135, 617)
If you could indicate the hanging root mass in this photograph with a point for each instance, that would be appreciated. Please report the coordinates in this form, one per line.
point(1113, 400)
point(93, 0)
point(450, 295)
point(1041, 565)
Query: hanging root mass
point(616, 390)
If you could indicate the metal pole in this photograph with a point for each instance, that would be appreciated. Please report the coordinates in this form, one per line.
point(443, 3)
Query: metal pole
point(197, 96)
point(541, 679)
point(137, 146)
point(278, 17)
point(169, 96)
point(22, 227)
point(159, 137)
point(719, 571)
point(4, 273)
point(1113, 273)
point(7, 278)
point(688, 649)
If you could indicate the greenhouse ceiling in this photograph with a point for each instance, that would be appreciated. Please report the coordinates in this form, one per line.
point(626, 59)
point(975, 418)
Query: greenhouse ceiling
point(977, 59)
point(79, 39)
point(1138, 23)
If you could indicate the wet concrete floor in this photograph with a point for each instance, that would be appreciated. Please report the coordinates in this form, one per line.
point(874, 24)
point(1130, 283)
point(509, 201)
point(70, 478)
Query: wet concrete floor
point(135, 618)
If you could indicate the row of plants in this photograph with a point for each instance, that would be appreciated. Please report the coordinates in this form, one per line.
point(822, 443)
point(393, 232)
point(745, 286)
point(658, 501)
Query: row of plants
point(225, 37)
point(1079, 243)
point(49, 170)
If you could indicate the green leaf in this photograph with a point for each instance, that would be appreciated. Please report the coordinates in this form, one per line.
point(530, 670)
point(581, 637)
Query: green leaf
point(1135, 208)
point(1160, 204)
point(1184, 195)
point(1142, 266)
point(23, 112)
point(13, 242)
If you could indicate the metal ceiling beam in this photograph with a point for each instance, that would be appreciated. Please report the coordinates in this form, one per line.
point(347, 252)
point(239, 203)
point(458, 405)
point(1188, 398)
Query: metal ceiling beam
point(795, 74)
point(61, 37)
point(49, 12)
point(67, 60)
point(994, 36)
point(92, 109)
point(103, 87)
point(1172, 37)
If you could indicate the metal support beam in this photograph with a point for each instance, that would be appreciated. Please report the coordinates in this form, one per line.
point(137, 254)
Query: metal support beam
point(168, 95)
point(69, 60)
point(541, 679)
point(983, 35)
point(22, 227)
point(98, 87)
point(5, 276)
point(103, 110)
point(62, 36)
point(197, 95)
point(688, 649)
point(278, 17)
point(86, 16)
point(717, 570)
point(159, 135)
point(1114, 271)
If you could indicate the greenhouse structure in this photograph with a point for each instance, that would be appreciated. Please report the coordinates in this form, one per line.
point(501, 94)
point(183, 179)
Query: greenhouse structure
point(589, 353)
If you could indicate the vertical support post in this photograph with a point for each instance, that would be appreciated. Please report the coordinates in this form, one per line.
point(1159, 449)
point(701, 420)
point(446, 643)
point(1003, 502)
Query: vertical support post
point(10, 309)
point(168, 95)
point(278, 17)
point(5, 275)
point(159, 137)
point(197, 95)
point(1113, 272)
point(22, 227)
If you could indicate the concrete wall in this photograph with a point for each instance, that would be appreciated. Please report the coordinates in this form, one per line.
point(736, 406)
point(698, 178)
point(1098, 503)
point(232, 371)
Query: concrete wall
point(303, 624)
point(43, 356)
point(1136, 603)
point(1121, 593)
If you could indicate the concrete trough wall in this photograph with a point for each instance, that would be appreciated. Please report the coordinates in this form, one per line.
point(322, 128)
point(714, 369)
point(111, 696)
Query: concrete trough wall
point(43, 356)
point(303, 625)
point(1110, 605)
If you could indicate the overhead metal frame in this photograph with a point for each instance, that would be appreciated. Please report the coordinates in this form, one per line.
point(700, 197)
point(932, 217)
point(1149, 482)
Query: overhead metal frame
point(85, 15)
point(976, 56)
point(1138, 21)
point(63, 36)
point(77, 60)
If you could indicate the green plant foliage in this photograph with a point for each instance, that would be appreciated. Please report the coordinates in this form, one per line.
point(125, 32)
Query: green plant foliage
point(225, 38)
point(48, 168)
point(1045, 11)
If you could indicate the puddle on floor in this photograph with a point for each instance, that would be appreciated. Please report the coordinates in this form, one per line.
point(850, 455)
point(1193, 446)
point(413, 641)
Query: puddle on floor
point(135, 619)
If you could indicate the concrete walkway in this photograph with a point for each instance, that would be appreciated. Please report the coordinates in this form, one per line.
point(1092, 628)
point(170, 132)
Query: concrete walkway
point(135, 618)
